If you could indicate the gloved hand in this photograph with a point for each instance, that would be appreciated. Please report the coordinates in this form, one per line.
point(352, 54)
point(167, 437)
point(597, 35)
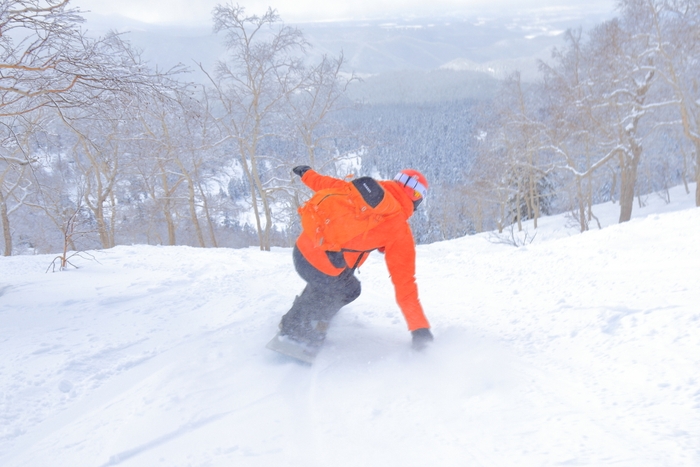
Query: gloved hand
point(421, 338)
point(301, 169)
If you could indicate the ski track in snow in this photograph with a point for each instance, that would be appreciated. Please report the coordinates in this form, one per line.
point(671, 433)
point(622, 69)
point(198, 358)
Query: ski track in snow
point(577, 349)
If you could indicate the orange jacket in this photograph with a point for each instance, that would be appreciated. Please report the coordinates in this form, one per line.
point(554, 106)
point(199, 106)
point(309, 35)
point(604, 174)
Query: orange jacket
point(393, 236)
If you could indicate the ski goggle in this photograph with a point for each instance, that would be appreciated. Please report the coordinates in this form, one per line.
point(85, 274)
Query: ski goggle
point(419, 190)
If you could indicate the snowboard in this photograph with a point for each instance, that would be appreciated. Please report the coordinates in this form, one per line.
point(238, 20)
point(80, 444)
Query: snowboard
point(303, 352)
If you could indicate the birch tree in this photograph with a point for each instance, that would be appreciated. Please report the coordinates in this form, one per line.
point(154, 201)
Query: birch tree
point(15, 185)
point(572, 130)
point(519, 154)
point(176, 150)
point(309, 108)
point(264, 66)
point(672, 28)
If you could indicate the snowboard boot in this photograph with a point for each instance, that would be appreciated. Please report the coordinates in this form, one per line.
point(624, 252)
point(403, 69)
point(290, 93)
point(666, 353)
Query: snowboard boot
point(299, 326)
point(311, 333)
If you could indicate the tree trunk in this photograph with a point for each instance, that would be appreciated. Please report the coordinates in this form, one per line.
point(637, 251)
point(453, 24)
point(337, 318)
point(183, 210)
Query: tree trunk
point(518, 211)
point(581, 206)
point(112, 220)
point(210, 223)
point(4, 218)
point(193, 210)
point(479, 215)
point(589, 201)
point(99, 212)
point(256, 212)
point(268, 225)
point(534, 204)
point(628, 180)
point(167, 212)
point(256, 183)
point(697, 173)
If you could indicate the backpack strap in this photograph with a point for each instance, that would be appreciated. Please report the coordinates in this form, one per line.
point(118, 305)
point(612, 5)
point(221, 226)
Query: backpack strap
point(359, 258)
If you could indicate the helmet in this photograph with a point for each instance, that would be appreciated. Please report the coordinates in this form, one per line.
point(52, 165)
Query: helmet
point(414, 183)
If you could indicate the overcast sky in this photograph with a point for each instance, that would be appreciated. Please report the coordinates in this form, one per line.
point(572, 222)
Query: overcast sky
point(198, 12)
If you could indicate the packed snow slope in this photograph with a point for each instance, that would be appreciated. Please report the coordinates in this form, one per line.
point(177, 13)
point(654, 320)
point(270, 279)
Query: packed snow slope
point(576, 349)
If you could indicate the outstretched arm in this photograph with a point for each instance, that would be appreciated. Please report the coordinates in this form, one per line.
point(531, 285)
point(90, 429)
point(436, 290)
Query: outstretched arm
point(317, 182)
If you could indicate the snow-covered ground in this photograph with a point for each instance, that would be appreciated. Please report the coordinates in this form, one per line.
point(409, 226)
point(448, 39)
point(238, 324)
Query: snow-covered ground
point(577, 349)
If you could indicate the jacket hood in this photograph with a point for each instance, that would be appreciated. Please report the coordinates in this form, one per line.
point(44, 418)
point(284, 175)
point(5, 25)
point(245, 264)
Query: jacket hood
point(399, 195)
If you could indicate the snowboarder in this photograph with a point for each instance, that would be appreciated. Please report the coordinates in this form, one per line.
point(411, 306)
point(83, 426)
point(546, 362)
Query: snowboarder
point(329, 272)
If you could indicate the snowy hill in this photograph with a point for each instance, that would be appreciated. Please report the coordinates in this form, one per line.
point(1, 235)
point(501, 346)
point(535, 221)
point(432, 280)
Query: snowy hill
point(578, 349)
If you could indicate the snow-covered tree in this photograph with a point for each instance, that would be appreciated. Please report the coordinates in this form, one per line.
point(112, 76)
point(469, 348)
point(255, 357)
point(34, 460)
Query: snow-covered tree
point(671, 29)
point(270, 96)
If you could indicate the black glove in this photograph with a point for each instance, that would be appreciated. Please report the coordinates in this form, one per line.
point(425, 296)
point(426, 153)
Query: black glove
point(301, 169)
point(421, 338)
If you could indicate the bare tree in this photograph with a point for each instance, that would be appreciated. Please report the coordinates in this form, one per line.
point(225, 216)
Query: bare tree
point(517, 156)
point(39, 59)
point(177, 147)
point(264, 67)
point(47, 60)
point(14, 189)
point(623, 75)
point(572, 132)
point(97, 162)
point(309, 108)
point(200, 163)
point(672, 28)
point(72, 230)
point(601, 90)
point(18, 155)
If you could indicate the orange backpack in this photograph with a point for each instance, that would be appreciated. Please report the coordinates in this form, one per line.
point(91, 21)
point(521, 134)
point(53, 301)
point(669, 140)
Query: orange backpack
point(333, 216)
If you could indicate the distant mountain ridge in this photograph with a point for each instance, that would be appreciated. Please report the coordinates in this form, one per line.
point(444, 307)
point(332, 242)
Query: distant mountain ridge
point(421, 86)
point(492, 45)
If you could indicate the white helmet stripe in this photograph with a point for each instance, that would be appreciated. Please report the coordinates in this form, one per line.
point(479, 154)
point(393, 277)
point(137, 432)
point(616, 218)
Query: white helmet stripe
point(411, 182)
